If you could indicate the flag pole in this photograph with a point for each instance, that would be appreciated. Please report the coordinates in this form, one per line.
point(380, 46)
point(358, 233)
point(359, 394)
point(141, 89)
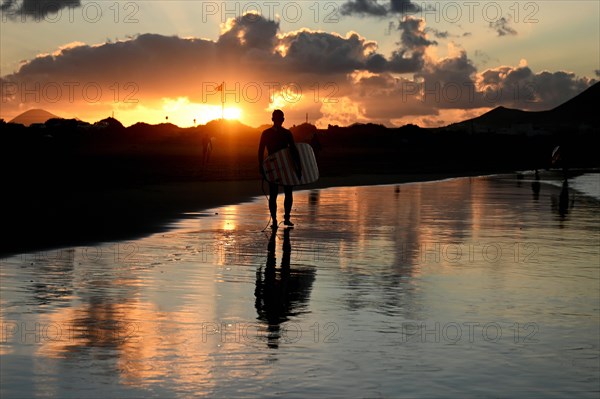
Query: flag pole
point(222, 101)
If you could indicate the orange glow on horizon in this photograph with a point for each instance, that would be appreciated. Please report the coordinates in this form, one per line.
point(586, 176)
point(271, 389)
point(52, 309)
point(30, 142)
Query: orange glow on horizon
point(183, 113)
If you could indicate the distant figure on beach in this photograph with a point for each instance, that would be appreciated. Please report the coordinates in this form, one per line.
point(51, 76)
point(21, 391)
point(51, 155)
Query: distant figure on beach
point(559, 160)
point(207, 145)
point(277, 138)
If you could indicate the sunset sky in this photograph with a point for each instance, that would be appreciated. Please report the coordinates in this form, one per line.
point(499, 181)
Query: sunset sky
point(391, 62)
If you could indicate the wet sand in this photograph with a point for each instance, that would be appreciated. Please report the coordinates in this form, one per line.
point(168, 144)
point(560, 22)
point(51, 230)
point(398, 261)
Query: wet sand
point(469, 287)
point(46, 218)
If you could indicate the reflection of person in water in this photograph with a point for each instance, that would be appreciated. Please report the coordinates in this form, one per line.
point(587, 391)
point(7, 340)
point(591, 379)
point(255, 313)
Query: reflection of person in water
point(563, 199)
point(535, 186)
point(564, 202)
point(281, 293)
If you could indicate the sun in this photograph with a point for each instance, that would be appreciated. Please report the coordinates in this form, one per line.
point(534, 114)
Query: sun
point(182, 112)
point(206, 113)
point(234, 113)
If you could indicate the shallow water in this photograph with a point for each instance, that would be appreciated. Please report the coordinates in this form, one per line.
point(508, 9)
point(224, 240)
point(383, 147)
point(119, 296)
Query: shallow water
point(484, 287)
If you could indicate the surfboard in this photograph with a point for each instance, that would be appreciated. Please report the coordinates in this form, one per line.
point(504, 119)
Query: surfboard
point(556, 155)
point(280, 169)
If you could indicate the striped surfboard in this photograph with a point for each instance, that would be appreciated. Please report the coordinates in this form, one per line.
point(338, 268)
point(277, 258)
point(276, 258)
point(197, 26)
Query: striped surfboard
point(279, 167)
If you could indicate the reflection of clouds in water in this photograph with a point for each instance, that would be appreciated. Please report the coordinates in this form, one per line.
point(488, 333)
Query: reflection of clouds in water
point(51, 275)
point(134, 340)
point(195, 309)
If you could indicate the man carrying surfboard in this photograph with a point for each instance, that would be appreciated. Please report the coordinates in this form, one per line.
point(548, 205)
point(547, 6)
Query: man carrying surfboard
point(277, 138)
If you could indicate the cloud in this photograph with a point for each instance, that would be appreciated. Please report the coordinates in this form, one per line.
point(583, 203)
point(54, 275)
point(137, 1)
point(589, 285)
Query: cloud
point(449, 82)
point(250, 31)
point(403, 7)
point(326, 53)
point(248, 50)
point(451, 89)
point(520, 87)
point(364, 7)
point(413, 34)
point(251, 55)
point(502, 28)
point(303, 71)
point(383, 97)
point(374, 8)
point(35, 8)
point(409, 56)
point(439, 34)
point(483, 57)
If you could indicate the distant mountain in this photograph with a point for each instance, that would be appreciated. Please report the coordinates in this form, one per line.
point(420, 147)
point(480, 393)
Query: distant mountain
point(578, 111)
point(583, 107)
point(109, 123)
point(33, 116)
point(227, 124)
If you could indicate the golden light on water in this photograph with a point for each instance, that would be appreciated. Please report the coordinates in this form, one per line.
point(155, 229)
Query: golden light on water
point(230, 222)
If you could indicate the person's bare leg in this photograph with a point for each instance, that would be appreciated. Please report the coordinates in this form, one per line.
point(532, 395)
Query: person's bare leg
point(287, 204)
point(273, 191)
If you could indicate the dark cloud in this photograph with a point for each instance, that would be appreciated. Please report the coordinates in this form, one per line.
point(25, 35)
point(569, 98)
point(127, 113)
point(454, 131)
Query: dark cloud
point(502, 28)
point(413, 35)
point(450, 82)
point(452, 86)
point(251, 31)
point(402, 61)
point(252, 50)
point(377, 9)
point(438, 34)
point(326, 53)
point(377, 63)
point(35, 8)
point(364, 7)
point(520, 87)
point(403, 7)
point(384, 97)
point(409, 57)
point(149, 57)
point(249, 51)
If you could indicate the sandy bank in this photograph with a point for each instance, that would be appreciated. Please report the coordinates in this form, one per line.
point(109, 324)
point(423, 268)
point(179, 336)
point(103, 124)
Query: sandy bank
point(37, 221)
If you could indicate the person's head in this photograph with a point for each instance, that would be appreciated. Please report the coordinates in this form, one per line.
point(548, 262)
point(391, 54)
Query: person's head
point(277, 117)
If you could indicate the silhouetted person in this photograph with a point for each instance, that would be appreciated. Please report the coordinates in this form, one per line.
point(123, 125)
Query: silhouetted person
point(535, 186)
point(275, 139)
point(207, 145)
point(280, 292)
point(559, 160)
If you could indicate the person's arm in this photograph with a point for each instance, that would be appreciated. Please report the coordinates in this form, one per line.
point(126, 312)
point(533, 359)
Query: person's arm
point(261, 154)
point(295, 155)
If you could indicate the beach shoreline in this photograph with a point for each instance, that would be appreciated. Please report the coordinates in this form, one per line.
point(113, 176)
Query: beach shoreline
point(91, 217)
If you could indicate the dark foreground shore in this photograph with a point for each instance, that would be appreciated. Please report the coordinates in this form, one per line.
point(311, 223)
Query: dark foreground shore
point(35, 220)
